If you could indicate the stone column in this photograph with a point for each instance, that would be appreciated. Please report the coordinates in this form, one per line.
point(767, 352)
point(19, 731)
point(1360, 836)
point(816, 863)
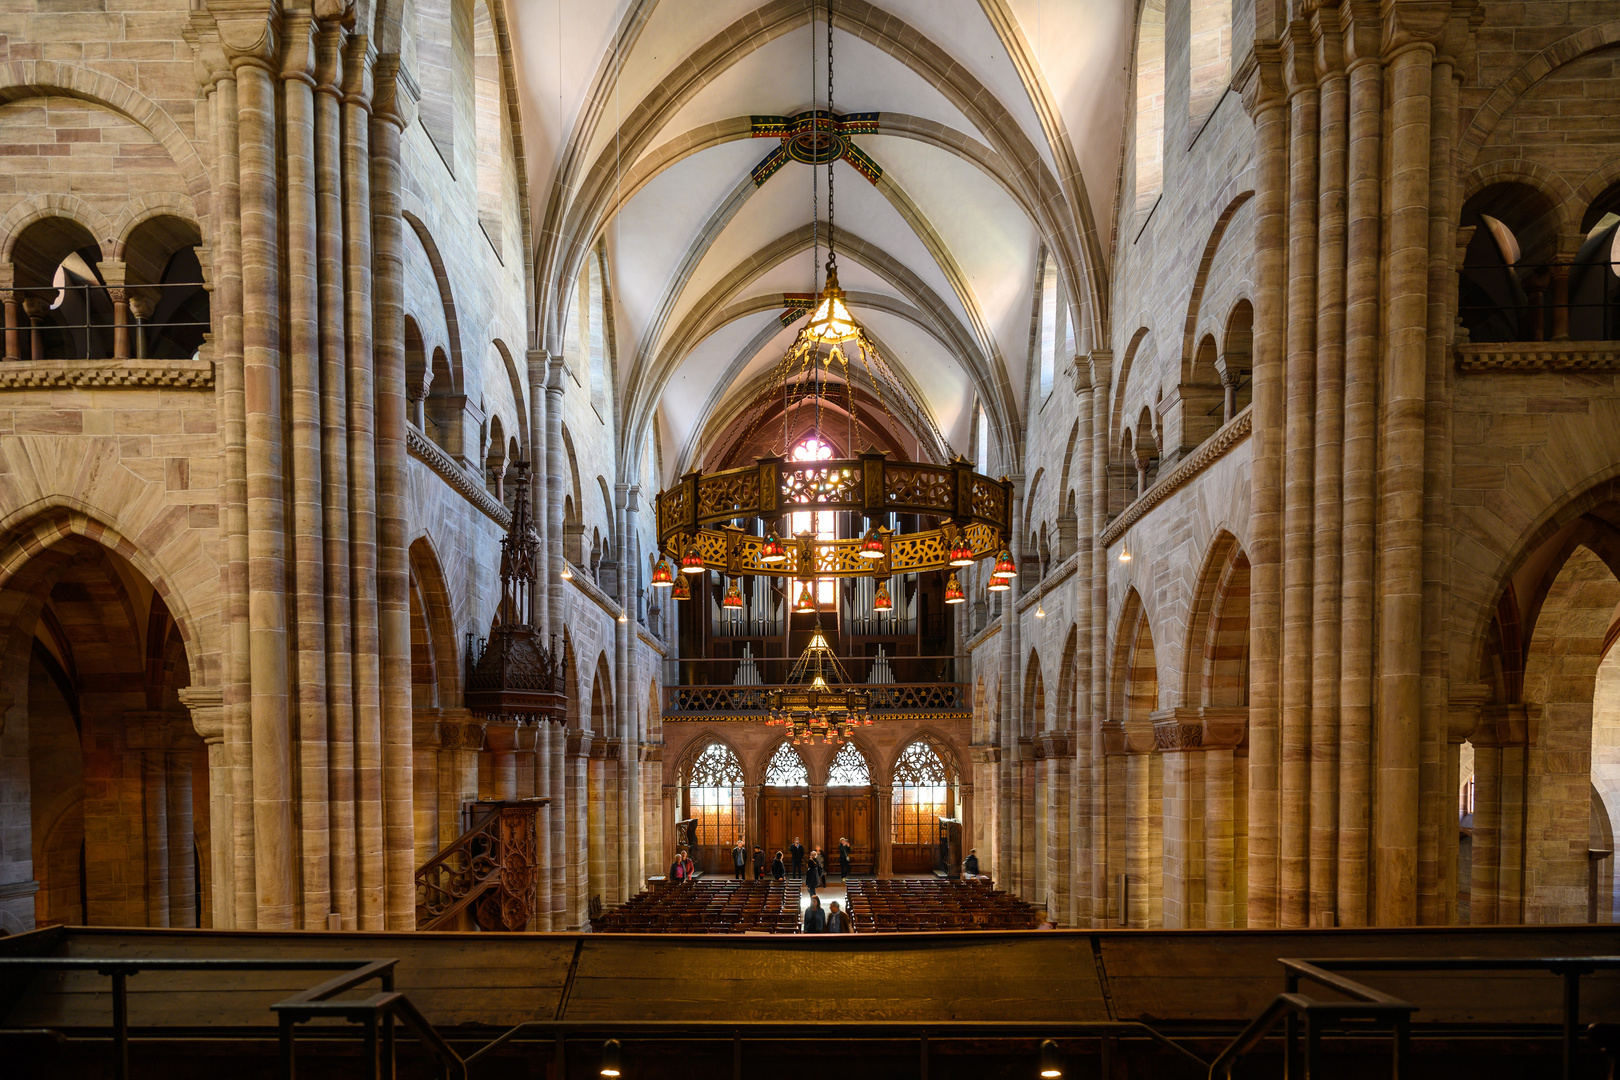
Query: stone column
point(1218, 810)
point(561, 862)
point(120, 306)
point(13, 315)
point(667, 846)
point(1263, 99)
point(545, 865)
point(1299, 474)
point(884, 841)
point(1363, 240)
point(362, 491)
point(275, 874)
point(334, 474)
point(182, 883)
point(304, 397)
point(460, 738)
point(208, 718)
point(1328, 481)
point(623, 706)
point(818, 816)
point(1100, 364)
point(1400, 540)
point(394, 112)
point(502, 738)
point(1080, 847)
point(556, 470)
point(155, 819)
point(1437, 836)
point(230, 397)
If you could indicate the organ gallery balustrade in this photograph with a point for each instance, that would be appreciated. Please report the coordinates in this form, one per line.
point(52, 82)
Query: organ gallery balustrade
point(751, 702)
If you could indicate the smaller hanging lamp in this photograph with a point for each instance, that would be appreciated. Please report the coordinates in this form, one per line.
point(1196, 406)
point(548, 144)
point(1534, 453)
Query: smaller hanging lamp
point(1124, 552)
point(683, 591)
point(1004, 565)
point(961, 551)
point(662, 576)
point(881, 601)
point(692, 562)
point(733, 599)
point(772, 551)
point(953, 591)
point(872, 545)
point(999, 584)
point(805, 602)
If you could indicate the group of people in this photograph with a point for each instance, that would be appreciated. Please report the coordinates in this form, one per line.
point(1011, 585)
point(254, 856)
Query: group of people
point(834, 920)
point(814, 875)
point(683, 867)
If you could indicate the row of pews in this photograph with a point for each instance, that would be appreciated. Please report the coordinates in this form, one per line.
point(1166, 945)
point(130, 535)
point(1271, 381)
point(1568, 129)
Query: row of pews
point(706, 906)
point(884, 905)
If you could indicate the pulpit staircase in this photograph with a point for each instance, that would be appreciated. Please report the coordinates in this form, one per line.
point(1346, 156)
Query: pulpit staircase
point(486, 879)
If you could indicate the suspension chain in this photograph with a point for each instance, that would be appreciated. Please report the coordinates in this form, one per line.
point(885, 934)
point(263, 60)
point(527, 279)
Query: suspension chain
point(832, 256)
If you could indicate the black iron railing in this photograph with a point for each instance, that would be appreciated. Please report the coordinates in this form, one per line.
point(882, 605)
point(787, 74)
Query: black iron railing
point(88, 320)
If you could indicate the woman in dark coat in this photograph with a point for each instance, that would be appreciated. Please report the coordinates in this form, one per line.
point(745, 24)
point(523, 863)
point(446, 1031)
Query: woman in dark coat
point(778, 871)
point(815, 920)
point(843, 857)
point(812, 876)
point(759, 863)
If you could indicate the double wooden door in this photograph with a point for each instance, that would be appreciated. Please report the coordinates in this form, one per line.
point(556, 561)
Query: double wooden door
point(784, 814)
point(850, 814)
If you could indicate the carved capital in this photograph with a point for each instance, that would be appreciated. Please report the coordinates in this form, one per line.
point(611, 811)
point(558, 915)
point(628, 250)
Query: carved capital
point(207, 707)
point(298, 48)
point(1259, 78)
point(1409, 23)
point(358, 57)
point(1099, 365)
point(395, 93)
point(1508, 725)
point(247, 31)
point(1298, 58)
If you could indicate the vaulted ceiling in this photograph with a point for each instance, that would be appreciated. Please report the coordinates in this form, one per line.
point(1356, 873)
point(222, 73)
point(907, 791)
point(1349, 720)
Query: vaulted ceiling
point(999, 131)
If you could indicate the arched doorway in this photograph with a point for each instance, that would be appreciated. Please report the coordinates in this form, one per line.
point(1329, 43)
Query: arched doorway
point(924, 792)
point(850, 810)
point(112, 778)
point(712, 795)
point(784, 801)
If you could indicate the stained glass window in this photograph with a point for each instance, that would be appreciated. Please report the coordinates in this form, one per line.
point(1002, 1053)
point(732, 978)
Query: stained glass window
point(921, 794)
point(786, 768)
point(714, 791)
point(849, 768)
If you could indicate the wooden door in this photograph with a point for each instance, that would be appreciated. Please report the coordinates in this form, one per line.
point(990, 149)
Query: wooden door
point(850, 813)
point(784, 813)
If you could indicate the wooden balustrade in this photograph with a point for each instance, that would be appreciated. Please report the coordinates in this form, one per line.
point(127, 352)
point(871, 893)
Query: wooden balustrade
point(489, 869)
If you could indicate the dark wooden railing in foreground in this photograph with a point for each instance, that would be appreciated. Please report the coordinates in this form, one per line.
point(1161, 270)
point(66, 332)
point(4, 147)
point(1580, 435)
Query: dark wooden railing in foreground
point(1296, 1010)
point(489, 868)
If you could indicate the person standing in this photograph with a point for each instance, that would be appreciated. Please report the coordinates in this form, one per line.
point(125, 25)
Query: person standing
point(970, 865)
point(759, 864)
point(815, 920)
point(843, 857)
point(677, 869)
point(838, 921)
point(778, 872)
point(796, 850)
point(739, 859)
point(812, 875)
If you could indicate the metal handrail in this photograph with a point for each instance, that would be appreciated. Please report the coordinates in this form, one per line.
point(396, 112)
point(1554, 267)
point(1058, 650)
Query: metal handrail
point(120, 971)
point(376, 1013)
point(1369, 1003)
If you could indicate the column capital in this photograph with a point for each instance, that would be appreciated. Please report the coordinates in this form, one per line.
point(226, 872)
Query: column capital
point(1259, 78)
point(358, 58)
point(818, 791)
point(1413, 24)
point(207, 707)
point(298, 48)
point(395, 92)
point(1363, 29)
point(556, 368)
point(1080, 374)
point(1099, 364)
point(248, 31)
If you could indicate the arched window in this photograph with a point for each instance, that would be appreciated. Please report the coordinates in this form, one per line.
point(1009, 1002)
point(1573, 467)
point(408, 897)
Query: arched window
point(1053, 316)
point(817, 522)
point(714, 798)
point(1209, 60)
point(489, 121)
point(1149, 105)
point(786, 768)
point(921, 797)
point(438, 24)
point(595, 329)
point(981, 438)
point(849, 768)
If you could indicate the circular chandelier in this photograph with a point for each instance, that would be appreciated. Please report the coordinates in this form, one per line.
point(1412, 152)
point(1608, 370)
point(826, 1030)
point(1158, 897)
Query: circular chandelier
point(730, 521)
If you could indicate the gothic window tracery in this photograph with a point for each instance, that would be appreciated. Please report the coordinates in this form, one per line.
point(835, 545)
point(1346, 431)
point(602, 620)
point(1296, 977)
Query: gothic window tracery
point(786, 768)
point(849, 768)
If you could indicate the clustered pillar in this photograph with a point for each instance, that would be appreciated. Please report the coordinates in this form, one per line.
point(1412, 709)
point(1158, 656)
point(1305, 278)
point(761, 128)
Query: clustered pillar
point(308, 324)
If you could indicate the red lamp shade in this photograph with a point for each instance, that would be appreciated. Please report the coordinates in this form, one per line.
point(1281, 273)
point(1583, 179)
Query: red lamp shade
point(662, 576)
point(683, 591)
point(953, 591)
point(872, 545)
point(805, 602)
point(733, 597)
point(961, 551)
point(1004, 565)
point(772, 551)
point(692, 562)
point(881, 601)
point(999, 584)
